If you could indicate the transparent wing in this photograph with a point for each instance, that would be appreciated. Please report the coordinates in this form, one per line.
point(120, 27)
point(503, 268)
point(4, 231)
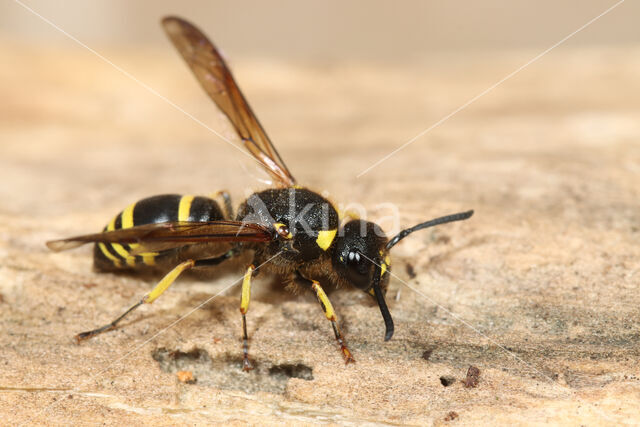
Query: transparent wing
point(215, 77)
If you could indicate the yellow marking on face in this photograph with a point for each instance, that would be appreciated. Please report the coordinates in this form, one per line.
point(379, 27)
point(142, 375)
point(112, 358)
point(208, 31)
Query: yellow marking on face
point(246, 290)
point(167, 281)
point(324, 301)
point(184, 210)
point(109, 255)
point(325, 238)
point(278, 225)
point(385, 264)
point(372, 292)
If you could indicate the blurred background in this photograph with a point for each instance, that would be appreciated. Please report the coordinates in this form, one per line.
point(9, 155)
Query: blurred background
point(328, 29)
point(545, 149)
point(347, 81)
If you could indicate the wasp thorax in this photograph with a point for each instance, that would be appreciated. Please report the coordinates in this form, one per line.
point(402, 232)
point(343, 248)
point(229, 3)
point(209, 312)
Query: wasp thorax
point(304, 222)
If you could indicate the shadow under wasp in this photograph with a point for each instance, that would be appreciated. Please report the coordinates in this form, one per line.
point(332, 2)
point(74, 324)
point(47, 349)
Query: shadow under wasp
point(290, 231)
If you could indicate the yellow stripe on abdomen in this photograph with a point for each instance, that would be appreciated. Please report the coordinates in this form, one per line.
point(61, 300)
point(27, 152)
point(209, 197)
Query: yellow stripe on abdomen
point(109, 255)
point(126, 217)
point(184, 209)
point(126, 220)
point(149, 258)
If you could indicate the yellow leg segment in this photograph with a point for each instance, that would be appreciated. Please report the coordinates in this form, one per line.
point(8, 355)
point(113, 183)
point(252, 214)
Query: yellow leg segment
point(167, 281)
point(244, 307)
point(331, 315)
point(158, 290)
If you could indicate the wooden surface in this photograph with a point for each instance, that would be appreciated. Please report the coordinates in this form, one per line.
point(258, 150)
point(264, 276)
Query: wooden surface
point(539, 290)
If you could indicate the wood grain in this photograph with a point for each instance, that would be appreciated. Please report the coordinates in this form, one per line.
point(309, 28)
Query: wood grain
point(539, 290)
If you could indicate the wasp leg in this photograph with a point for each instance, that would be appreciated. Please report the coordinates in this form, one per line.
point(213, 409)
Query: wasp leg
point(209, 262)
point(149, 298)
point(226, 199)
point(331, 315)
point(244, 307)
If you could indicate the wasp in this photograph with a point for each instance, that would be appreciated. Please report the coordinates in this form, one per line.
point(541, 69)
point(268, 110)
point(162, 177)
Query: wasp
point(288, 230)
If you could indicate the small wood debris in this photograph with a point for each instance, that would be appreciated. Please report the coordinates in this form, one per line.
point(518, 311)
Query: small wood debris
point(451, 416)
point(427, 354)
point(411, 271)
point(186, 377)
point(473, 377)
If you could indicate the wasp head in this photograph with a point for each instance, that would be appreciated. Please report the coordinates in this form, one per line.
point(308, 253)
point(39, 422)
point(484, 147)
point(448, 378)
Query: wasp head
point(362, 257)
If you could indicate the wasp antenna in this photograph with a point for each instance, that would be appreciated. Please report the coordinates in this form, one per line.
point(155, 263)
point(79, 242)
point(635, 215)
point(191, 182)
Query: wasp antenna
point(437, 221)
point(386, 315)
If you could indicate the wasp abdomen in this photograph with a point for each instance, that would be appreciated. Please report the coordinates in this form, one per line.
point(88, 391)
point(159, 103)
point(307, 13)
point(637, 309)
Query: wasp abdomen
point(156, 209)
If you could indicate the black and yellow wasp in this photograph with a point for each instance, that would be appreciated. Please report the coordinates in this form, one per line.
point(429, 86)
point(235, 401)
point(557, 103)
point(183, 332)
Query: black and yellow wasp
point(289, 230)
